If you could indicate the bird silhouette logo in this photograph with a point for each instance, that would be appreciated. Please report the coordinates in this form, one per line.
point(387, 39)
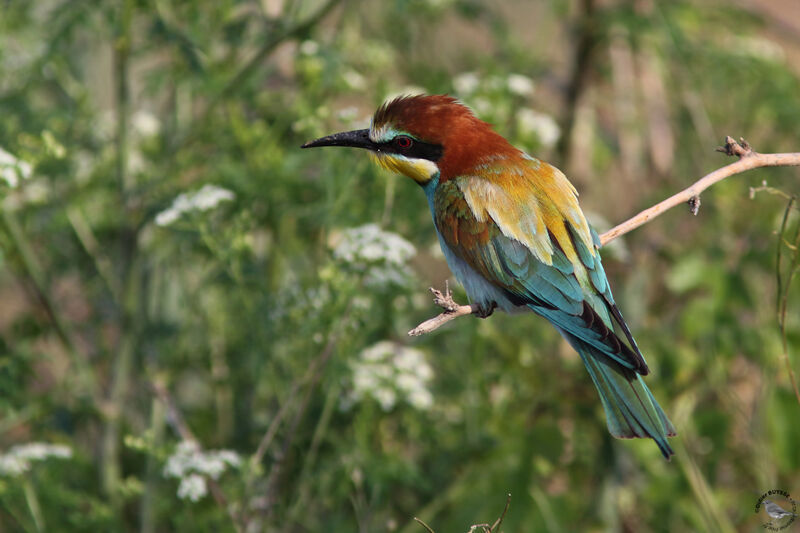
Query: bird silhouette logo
point(781, 515)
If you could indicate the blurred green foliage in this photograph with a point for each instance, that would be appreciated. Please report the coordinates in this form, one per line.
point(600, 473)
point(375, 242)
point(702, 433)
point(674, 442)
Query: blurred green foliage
point(254, 318)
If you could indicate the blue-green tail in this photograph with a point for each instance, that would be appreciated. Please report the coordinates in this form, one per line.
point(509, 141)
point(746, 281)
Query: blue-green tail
point(631, 410)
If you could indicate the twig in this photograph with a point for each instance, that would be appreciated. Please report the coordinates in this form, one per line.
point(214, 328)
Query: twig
point(452, 310)
point(174, 415)
point(423, 524)
point(499, 521)
point(486, 528)
point(748, 160)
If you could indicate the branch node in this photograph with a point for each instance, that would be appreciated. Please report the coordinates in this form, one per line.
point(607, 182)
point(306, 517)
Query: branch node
point(451, 311)
point(694, 204)
point(739, 149)
point(444, 300)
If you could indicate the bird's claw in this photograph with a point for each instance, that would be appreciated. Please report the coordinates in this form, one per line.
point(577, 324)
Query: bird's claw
point(485, 311)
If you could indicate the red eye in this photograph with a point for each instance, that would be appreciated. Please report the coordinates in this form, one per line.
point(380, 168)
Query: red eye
point(402, 141)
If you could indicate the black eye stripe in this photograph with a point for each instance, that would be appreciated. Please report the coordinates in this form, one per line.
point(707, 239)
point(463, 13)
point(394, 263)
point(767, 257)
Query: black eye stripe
point(417, 149)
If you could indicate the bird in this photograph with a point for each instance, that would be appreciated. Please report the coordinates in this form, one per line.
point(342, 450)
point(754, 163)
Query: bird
point(776, 511)
point(515, 237)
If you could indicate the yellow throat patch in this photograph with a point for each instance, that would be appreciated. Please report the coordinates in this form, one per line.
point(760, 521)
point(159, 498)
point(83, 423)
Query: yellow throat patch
point(420, 170)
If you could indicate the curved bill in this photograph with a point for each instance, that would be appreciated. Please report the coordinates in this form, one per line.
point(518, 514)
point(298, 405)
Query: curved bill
point(355, 139)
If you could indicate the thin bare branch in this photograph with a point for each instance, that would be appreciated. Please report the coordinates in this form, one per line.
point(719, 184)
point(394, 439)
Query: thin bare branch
point(452, 310)
point(423, 524)
point(748, 160)
point(499, 521)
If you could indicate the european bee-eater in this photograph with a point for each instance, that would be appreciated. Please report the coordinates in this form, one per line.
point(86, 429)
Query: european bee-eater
point(515, 237)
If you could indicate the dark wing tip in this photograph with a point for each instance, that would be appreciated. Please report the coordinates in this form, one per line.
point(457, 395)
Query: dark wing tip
point(641, 365)
point(630, 354)
point(666, 449)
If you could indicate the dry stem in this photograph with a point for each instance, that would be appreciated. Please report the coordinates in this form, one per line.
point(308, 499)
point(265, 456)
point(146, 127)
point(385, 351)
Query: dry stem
point(748, 160)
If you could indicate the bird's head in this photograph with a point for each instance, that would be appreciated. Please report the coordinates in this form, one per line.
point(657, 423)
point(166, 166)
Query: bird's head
point(423, 136)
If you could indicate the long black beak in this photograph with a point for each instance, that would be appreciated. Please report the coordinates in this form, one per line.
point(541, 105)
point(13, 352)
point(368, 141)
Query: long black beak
point(356, 139)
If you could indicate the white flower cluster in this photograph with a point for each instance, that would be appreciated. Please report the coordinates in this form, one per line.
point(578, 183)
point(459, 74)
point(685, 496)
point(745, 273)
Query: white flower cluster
point(145, 124)
point(381, 255)
point(190, 465)
point(540, 124)
point(389, 372)
point(439, 4)
point(469, 83)
point(756, 48)
point(19, 458)
point(206, 198)
point(13, 169)
point(355, 81)
point(466, 83)
point(193, 487)
point(520, 85)
point(309, 48)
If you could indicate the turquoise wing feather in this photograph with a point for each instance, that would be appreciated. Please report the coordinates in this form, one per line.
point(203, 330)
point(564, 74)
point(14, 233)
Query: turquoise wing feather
point(568, 288)
point(553, 290)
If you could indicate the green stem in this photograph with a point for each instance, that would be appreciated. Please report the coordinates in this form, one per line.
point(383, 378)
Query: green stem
point(33, 503)
point(111, 470)
point(450, 494)
point(147, 513)
point(784, 298)
point(122, 49)
point(89, 242)
point(309, 380)
point(12, 512)
point(711, 511)
point(121, 371)
point(779, 258)
point(309, 458)
point(35, 273)
point(388, 201)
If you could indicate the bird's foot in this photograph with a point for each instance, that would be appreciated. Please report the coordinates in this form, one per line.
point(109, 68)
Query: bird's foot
point(485, 310)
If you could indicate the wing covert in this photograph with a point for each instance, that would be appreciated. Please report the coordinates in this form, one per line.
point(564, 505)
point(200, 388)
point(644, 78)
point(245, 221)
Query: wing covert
point(556, 271)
